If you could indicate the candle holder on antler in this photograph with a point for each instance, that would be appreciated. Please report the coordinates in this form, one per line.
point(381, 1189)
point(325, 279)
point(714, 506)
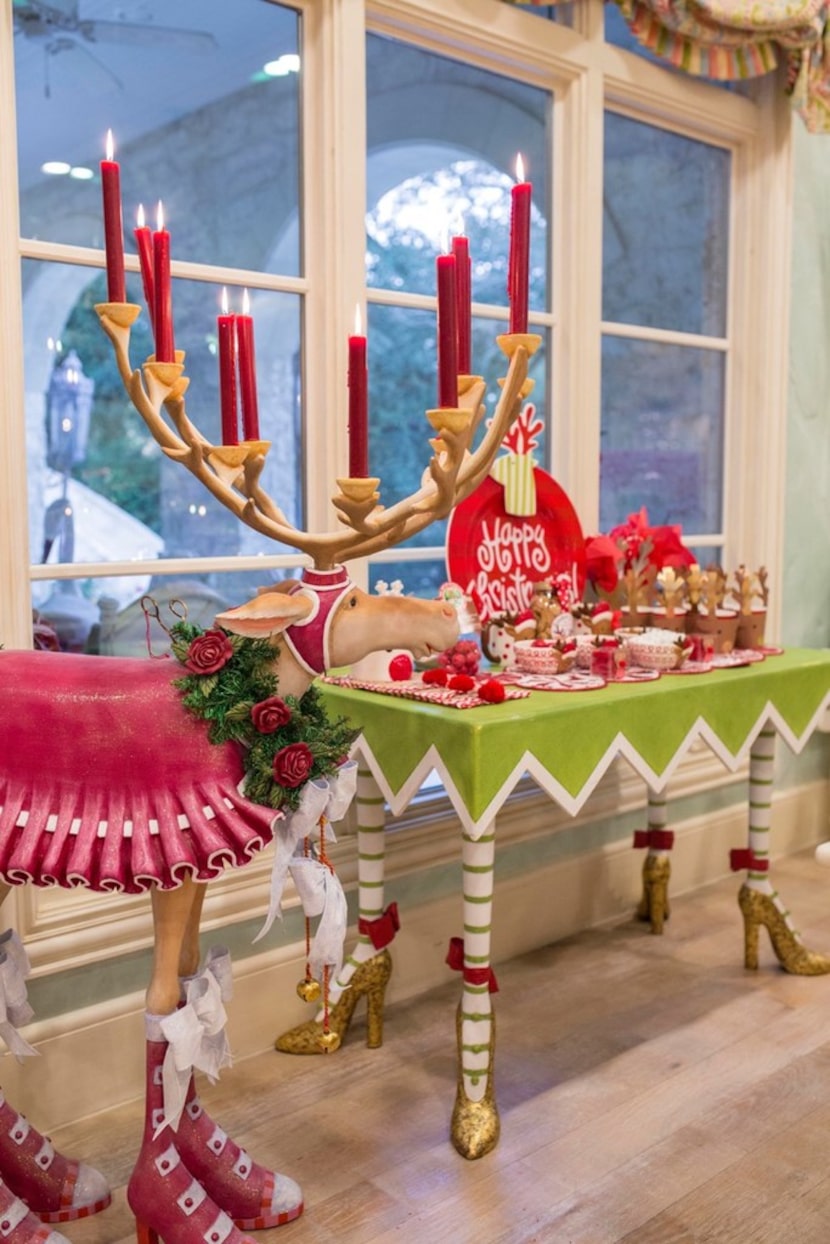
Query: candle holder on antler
point(509, 343)
point(232, 472)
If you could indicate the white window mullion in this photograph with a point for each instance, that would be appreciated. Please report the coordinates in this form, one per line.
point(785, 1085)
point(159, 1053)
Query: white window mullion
point(334, 208)
point(15, 607)
point(578, 293)
point(755, 452)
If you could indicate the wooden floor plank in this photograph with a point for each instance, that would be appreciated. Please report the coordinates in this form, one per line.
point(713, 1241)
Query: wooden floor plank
point(651, 1092)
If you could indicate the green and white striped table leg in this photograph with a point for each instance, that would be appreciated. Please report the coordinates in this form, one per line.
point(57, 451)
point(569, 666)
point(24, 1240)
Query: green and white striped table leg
point(654, 905)
point(761, 777)
point(371, 830)
point(657, 815)
point(475, 1123)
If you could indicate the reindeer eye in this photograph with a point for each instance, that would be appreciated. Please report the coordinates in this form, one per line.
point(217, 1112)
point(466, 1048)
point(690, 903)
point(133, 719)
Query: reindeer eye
point(352, 602)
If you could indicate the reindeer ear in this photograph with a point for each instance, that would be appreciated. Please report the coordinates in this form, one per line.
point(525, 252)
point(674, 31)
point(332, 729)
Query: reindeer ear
point(285, 585)
point(267, 614)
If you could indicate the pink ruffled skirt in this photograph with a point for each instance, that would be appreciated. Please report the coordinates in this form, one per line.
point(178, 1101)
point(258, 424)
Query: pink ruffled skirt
point(106, 781)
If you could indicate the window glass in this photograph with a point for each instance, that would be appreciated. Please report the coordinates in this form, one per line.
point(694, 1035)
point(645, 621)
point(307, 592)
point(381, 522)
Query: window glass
point(442, 144)
point(443, 138)
point(399, 442)
point(130, 615)
point(202, 101)
point(665, 229)
point(662, 434)
point(203, 105)
point(100, 489)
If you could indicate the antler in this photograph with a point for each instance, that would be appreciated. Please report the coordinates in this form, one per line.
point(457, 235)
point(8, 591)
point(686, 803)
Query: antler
point(232, 473)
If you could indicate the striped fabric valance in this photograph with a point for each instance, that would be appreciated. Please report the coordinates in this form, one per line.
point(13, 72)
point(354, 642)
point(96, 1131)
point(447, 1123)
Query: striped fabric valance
point(730, 40)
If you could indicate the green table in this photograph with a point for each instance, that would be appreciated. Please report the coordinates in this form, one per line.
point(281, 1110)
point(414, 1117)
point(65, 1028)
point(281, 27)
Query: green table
point(565, 742)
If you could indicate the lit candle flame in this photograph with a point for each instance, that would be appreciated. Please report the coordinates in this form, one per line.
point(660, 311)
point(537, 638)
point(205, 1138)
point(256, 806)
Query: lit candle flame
point(246, 303)
point(139, 216)
point(358, 321)
point(225, 300)
point(110, 145)
point(520, 168)
point(159, 216)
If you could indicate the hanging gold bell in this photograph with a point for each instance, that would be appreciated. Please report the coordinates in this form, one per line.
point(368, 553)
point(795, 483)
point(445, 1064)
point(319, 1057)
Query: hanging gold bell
point(308, 989)
point(329, 1041)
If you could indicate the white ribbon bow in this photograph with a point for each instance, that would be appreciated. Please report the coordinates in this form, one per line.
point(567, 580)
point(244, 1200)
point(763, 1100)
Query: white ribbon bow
point(196, 1038)
point(322, 797)
point(14, 1003)
point(322, 895)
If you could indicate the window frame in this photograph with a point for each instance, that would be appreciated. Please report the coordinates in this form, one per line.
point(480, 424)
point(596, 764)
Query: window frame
point(588, 76)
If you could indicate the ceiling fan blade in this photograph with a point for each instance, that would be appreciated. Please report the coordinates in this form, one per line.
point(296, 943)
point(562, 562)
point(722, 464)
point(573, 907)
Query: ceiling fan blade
point(147, 36)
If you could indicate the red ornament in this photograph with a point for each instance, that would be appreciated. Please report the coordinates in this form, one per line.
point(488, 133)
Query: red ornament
point(492, 691)
point(401, 667)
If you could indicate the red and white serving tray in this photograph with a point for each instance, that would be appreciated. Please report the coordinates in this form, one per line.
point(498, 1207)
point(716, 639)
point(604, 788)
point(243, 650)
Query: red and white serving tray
point(431, 693)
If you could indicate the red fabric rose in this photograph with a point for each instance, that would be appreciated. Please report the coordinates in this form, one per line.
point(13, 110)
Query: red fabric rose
point(292, 764)
point(208, 653)
point(461, 682)
point(492, 691)
point(270, 714)
point(438, 677)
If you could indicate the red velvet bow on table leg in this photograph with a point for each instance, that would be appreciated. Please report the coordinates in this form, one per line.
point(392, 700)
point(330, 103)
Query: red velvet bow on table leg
point(742, 857)
point(654, 839)
point(472, 976)
point(381, 931)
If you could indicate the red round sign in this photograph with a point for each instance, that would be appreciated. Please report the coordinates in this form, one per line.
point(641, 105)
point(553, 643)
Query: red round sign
point(496, 557)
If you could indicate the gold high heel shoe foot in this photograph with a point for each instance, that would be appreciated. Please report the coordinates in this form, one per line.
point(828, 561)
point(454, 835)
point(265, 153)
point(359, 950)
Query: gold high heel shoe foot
point(475, 1126)
point(654, 905)
point(369, 979)
point(759, 909)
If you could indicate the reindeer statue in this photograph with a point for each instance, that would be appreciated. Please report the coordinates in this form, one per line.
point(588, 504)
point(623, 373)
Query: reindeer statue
point(107, 780)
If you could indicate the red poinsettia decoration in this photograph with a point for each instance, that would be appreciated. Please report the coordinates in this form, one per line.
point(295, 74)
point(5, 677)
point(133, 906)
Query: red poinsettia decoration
point(633, 545)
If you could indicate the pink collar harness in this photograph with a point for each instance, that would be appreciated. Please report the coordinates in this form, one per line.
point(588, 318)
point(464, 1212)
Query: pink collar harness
point(309, 639)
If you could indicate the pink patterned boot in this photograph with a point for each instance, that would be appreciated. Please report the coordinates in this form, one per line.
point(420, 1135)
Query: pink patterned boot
point(169, 1203)
point(19, 1226)
point(254, 1197)
point(55, 1188)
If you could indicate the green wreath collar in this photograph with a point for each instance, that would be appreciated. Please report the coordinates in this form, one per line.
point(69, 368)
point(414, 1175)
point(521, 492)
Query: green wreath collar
point(231, 684)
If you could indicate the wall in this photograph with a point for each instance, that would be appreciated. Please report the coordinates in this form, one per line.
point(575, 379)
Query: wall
point(806, 618)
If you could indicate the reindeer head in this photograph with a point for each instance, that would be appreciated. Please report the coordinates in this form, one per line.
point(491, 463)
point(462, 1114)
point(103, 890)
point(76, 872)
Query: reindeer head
point(326, 621)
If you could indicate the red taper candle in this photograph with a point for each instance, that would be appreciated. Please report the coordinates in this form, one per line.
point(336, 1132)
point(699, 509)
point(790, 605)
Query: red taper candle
point(113, 226)
point(519, 265)
point(358, 381)
point(247, 371)
point(447, 331)
point(226, 332)
point(463, 289)
point(144, 245)
point(162, 293)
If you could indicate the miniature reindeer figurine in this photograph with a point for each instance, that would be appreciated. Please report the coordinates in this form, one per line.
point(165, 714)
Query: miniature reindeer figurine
point(107, 780)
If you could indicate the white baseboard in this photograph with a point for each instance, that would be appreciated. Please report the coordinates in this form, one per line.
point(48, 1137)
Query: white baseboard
point(93, 1059)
